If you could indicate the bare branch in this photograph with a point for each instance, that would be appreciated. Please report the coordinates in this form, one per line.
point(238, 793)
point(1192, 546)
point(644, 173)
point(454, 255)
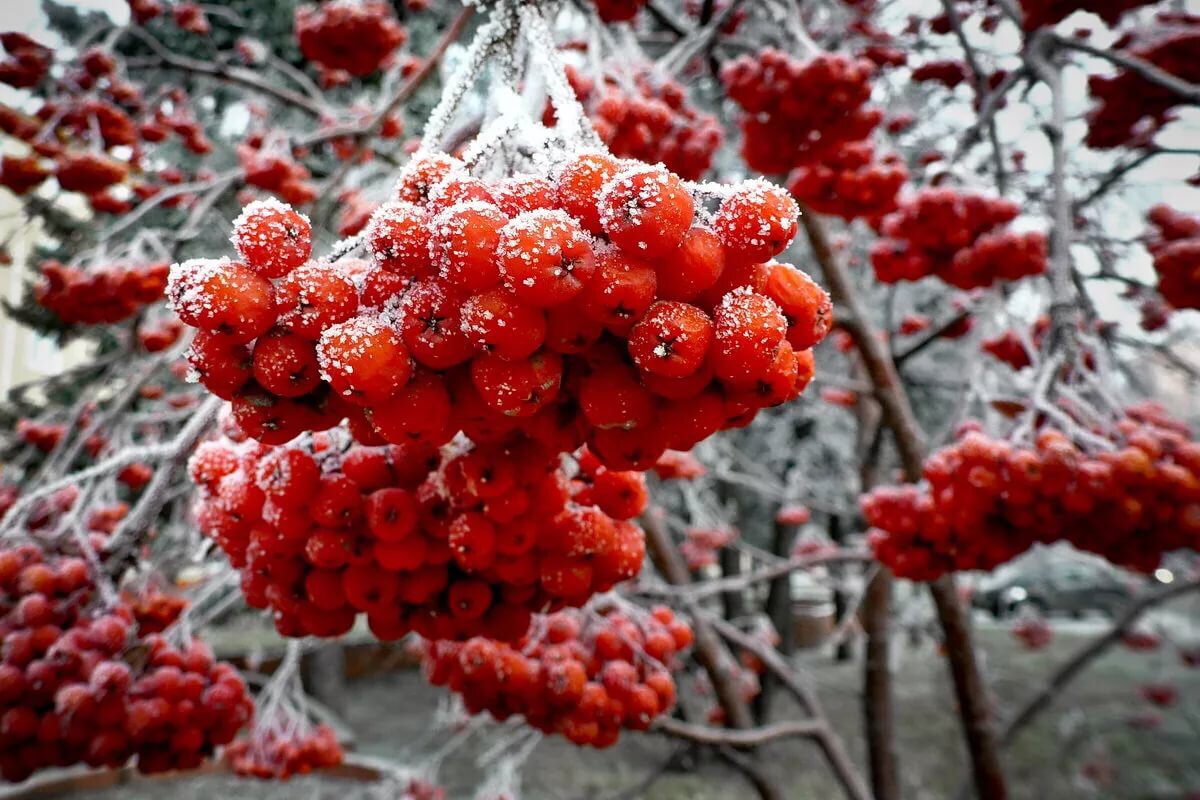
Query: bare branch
point(1070, 669)
point(1188, 92)
point(745, 737)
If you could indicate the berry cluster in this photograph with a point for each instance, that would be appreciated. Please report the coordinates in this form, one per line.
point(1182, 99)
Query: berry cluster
point(153, 610)
point(987, 500)
point(276, 171)
point(582, 675)
point(98, 295)
point(1011, 348)
point(960, 237)
point(68, 692)
point(1130, 109)
point(93, 133)
point(850, 182)
point(650, 120)
point(591, 308)
point(700, 545)
point(274, 753)
point(1033, 633)
point(948, 72)
point(1176, 250)
point(450, 545)
point(351, 35)
point(798, 112)
point(27, 63)
point(1041, 13)
point(678, 465)
point(618, 10)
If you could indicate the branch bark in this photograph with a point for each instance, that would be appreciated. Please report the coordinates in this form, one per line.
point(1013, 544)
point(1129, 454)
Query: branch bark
point(743, 737)
point(1189, 92)
point(713, 656)
point(974, 704)
point(830, 743)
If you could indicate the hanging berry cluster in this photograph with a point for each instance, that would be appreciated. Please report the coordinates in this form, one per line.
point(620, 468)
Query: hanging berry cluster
point(851, 182)
point(27, 61)
point(460, 543)
point(579, 673)
point(618, 10)
point(798, 112)
point(1130, 109)
point(647, 117)
point(591, 307)
point(98, 295)
point(1013, 349)
point(987, 500)
point(961, 238)
point(1175, 246)
point(79, 685)
point(279, 754)
point(356, 36)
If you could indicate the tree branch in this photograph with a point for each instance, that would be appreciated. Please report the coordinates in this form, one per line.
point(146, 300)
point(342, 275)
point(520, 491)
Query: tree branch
point(709, 652)
point(830, 743)
point(729, 737)
point(1070, 669)
point(974, 704)
point(224, 72)
point(1189, 92)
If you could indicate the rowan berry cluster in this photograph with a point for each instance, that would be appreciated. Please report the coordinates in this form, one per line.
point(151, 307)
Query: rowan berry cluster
point(591, 307)
point(1041, 13)
point(1175, 247)
point(947, 72)
point(798, 112)
point(700, 545)
point(1033, 633)
point(961, 238)
point(94, 132)
point(98, 295)
point(1011, 348)
point(278, 754)
point(1163, 695)
point(618, 10)
point(68, 691)
point(850, 182)
point(647, 117)
point(582, 674)
point(451, 544)
point(357, 37)
point(987, 500)
point(1130, 109)
point(27, 62)
point(153, 610)
point(678, 465)
point(276, 171)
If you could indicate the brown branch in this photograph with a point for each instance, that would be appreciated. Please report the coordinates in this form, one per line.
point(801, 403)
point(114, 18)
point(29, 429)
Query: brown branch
point(709, 652)
point(932, 336)
point(363, 134)
point(699, 591)
point(223, 72)
point(879, 713)
point(1070, 669)
point(830, 743)
point(1112, 177)
point(1064, 305)
point(766, 788)
point(974, 704)
point(980, 84)
point(1189, 92)
point(730, 737)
